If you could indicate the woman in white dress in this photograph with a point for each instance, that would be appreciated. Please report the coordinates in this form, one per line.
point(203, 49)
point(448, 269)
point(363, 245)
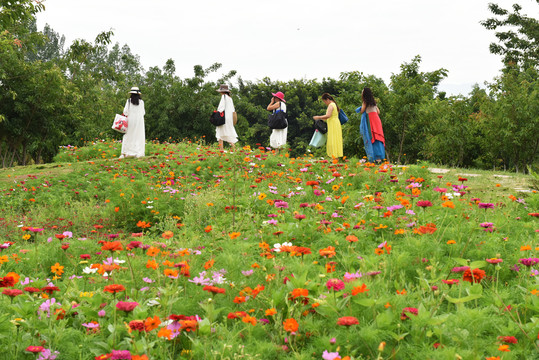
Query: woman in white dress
point(134, 140)
point(278, 136)
point(226, 132)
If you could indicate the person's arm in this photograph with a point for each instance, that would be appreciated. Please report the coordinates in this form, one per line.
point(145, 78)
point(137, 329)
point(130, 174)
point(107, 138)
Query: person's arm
point(378, 110)
point(273, 105)
point(325, 117)
point(222, 104)
point(363, 108)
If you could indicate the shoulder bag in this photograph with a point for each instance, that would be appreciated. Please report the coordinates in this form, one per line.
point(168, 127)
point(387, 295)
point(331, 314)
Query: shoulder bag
point(342, 117)
point(321, 126)
point(277, 120)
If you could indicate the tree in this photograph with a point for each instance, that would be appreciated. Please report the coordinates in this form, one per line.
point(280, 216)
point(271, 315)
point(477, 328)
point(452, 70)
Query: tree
point(519, 46)
point(409, 89)
point(511, 121)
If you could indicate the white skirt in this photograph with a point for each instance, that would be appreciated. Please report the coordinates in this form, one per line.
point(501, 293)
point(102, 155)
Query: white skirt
point(278, 138)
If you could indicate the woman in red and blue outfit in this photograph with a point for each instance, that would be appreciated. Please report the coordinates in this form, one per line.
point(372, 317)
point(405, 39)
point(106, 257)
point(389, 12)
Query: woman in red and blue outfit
point(371, 127)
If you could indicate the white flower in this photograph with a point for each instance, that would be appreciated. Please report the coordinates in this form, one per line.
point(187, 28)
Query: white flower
point(88, 270)
point(153, 302)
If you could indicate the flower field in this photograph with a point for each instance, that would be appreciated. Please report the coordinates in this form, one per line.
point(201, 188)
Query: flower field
point(196, 254)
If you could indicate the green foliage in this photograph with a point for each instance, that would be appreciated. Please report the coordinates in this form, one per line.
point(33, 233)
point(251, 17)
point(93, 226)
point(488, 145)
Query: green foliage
point(518, 36)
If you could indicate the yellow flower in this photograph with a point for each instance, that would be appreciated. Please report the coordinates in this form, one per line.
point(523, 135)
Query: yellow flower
point(26, 236)
point(451, 242)
point(262, 196)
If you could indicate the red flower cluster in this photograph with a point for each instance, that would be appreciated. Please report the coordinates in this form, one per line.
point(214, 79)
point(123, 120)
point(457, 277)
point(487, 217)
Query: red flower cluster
point(475, 275)
point(213, 289)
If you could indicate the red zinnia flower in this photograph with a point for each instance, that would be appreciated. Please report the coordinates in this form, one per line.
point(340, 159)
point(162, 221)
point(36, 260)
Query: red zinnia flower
point(347, 321)
point(475, 275)
point(12, 292)
point(114, 288)
point(50, 289)
point(213, 289)
point(508, 339)
point(35, 349)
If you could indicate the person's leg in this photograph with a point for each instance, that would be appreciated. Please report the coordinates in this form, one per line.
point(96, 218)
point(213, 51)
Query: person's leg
point(221, 145)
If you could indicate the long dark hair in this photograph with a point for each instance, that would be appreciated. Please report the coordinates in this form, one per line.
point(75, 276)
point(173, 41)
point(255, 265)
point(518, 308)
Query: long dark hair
point(326, 96)
point(368, 97)
point(135, 99)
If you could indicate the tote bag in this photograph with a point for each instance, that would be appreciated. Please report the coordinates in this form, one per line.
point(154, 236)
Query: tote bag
point(120, 123)
point(217, 118)
point(318, 139)
point(277, 120)
point(342, 117)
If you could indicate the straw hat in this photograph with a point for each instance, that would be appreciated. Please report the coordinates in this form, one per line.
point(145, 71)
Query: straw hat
point(135, 90)
point(223, 88)
point(279, 95)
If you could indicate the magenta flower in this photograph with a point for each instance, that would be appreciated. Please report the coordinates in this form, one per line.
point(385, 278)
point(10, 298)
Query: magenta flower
point(485, 206)
point(406, 311)
point(494, 261)
point(529, 261)
point(335, 284)
point(460, 269)
point(424, 203)
point(126, 306)
point(121, 355)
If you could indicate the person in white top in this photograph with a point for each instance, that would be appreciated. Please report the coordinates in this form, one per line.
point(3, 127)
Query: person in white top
point(226, 132)
point(134, 140)
point(278, 136)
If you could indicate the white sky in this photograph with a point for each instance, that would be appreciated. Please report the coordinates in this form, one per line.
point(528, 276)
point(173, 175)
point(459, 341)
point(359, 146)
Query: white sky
point(295, 39)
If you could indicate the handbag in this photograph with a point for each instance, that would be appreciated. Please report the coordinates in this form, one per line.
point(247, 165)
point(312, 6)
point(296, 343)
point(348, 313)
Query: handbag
point(342, 117)
point(321, 126)
point(318, 139)
point(120, 123)
point(217, 118)
point(234, 118)
point(277, 120)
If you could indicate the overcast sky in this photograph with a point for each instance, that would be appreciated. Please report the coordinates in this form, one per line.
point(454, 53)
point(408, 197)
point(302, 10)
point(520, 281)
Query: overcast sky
point(295, 39)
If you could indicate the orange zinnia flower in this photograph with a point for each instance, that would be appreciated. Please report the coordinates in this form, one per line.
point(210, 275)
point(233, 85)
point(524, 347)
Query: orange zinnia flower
point(114, 288)
point(234, 235)
point(300, 293)
point(112, 246)
point(351, 238)
point(151, 323)
point(359, 289)
point(290, 325)
point(152, 251)
point(143, 224)
point(167, 234)
point(208, 228)
point(164, 332)
point(270, 312)
point(427, 229)
point(188, 325)
point(152, 264)
point(57, 269)
point(329, 252)
point(249, 320)
point(209, 264)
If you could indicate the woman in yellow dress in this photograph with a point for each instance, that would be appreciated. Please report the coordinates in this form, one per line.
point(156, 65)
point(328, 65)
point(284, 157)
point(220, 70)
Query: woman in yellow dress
point(334, 142)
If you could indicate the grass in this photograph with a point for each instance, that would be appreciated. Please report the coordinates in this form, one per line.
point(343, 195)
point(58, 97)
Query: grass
point(187, 214)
